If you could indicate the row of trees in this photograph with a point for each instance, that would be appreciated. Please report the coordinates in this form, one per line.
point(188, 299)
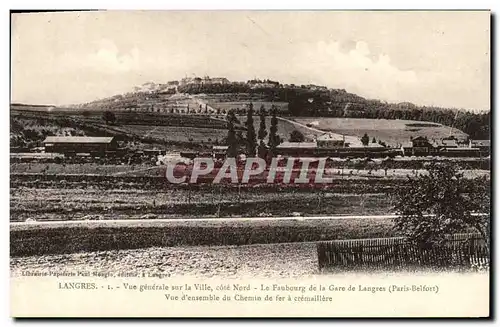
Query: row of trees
point(235, 140)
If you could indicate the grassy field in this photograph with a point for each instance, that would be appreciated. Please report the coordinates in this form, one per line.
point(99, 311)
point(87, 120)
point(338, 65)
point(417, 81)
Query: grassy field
point(95, 191)
point(93, 202)
point(28, 239)
point(164, 119)
point(178, 134)
point(86, 169)
point(392, 132)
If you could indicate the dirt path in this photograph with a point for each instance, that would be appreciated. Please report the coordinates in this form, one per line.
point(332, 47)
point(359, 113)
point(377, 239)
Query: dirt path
point(312, 129)
point(270, 260)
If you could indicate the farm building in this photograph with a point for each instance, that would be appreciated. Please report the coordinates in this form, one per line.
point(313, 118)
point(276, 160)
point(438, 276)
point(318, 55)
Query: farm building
point(448, 143)
point(79, 144)
point(418, 146)
point(420, 142)
point(329, 141)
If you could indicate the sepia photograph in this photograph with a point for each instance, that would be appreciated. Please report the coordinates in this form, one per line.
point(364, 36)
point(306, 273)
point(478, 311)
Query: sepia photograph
point(250, 163)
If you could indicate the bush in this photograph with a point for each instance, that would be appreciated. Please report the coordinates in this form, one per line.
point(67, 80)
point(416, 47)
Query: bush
point(296, 136)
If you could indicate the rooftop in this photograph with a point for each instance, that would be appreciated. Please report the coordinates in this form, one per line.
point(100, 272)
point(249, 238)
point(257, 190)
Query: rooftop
point(448, 142)
point(462, 149)
point(220, 147)
point(301, 145)
point(330, 137)
point(77, 139)
point(375, 145)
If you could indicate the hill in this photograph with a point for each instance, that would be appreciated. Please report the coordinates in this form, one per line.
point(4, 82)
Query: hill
point(291, 100)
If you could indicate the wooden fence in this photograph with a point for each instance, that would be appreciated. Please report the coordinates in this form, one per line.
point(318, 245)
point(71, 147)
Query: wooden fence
point(397, 253)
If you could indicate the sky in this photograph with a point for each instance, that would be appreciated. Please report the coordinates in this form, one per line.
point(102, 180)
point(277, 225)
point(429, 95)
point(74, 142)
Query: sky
point(428, 58)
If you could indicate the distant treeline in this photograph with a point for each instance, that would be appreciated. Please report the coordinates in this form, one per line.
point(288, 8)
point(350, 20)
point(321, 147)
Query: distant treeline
point(304, 101)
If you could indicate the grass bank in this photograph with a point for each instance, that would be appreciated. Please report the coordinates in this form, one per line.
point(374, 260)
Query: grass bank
point(58, 238)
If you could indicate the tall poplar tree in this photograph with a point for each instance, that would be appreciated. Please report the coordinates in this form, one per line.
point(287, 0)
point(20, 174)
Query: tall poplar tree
point(274, 139)
point(251, 140)
point(231, 141)
point(262, 127)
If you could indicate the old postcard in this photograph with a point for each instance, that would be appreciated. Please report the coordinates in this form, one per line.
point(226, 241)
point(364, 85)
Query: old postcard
point(250, 164)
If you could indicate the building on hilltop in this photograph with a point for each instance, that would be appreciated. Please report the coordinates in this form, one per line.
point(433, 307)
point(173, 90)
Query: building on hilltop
point(258, 84)
point(204, 81)
point(314, 87)
point(190, 81)
point(218, 80)
point(185, 81)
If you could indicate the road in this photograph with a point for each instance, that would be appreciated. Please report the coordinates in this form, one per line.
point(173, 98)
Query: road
point(312, 129)
point(146, 221)
point(204, 219)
